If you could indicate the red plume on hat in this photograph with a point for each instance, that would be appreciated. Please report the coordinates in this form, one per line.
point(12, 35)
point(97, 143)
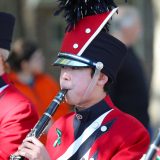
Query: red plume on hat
point(86, 42)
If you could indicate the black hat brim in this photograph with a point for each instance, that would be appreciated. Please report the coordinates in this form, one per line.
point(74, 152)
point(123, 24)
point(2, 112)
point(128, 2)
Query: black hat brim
point(65, 59)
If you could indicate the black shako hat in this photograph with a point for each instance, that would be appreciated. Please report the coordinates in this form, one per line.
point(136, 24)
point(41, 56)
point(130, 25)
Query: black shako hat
point(86, 42)
point(7, 22)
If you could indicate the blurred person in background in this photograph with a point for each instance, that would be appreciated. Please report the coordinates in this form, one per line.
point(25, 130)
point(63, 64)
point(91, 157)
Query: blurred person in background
point(27, 64)
point(131, 87)
point(17, 114)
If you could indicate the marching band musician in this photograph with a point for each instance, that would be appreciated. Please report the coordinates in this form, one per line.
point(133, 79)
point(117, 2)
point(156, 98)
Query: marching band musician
point(17, 115)
point(89, 59)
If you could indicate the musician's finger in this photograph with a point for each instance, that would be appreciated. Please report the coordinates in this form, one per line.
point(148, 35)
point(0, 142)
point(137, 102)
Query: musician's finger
point(16, 154)
point(33, 140)
point(29, 154)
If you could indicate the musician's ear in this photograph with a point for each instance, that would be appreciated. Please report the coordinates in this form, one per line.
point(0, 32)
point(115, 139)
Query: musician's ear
point(103, 79)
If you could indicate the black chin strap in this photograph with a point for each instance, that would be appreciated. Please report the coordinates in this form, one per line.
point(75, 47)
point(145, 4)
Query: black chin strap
point(2, 82)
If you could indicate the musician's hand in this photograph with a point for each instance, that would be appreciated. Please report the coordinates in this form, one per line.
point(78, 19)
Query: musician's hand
point(33, 149)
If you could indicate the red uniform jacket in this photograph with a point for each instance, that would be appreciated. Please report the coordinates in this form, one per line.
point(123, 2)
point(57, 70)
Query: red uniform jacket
point(17, 118)
point(101, 132)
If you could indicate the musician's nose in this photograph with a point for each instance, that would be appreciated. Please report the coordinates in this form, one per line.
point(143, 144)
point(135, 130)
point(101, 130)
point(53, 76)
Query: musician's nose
point(66, 74)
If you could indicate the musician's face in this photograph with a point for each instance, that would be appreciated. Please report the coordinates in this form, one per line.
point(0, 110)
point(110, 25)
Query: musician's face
point(76, 80)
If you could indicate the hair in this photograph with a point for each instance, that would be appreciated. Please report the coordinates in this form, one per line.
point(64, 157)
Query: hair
point(22, 51)
point(107, 85)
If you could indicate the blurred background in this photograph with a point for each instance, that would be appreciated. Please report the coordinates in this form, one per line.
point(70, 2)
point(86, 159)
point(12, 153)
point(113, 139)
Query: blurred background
point(35, 21)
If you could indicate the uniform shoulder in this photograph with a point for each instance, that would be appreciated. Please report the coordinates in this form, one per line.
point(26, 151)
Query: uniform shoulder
point(15, 101)
point(124, 121)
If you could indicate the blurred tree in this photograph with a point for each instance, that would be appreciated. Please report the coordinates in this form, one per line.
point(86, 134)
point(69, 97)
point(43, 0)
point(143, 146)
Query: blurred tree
point(155, 90)
point(147, 10)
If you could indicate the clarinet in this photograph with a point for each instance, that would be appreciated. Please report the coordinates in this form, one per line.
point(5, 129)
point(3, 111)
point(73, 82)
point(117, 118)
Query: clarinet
point(151, 153)
point(41, 125)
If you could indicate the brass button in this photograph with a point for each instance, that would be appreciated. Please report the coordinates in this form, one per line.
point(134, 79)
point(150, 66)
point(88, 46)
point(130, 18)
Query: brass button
point(88, 30)
point(75, 46)
point(79, 116)
point(103, 128)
